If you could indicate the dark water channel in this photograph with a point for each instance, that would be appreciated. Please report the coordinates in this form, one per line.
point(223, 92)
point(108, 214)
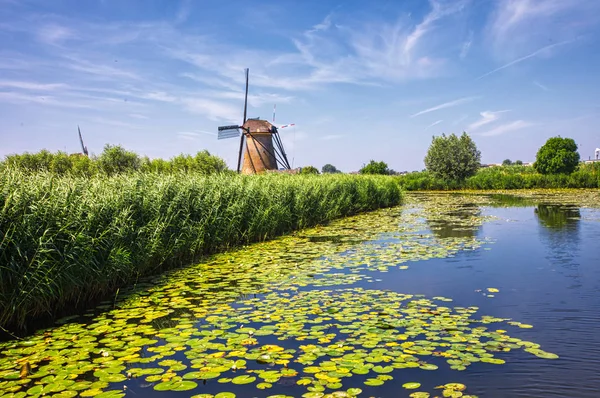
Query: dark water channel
point(545, 261)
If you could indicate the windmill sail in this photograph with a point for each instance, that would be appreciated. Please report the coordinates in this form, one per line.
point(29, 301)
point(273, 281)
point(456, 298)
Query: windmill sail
point(83, 147)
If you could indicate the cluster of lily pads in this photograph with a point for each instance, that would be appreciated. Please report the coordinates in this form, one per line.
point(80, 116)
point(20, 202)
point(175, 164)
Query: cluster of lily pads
point(249, 318)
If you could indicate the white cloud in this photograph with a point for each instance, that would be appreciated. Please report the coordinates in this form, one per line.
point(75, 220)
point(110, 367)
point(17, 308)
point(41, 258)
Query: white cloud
point(464, 51)
point(138, 116)
point(159, 96)
point(444, 105)
point(54, 34)
point(486, 118)
point(434, 124)
point(33, 86)
point(517, 27)
point(540, 85)
point(542, 51)
point(505, 128)
point(214, 110)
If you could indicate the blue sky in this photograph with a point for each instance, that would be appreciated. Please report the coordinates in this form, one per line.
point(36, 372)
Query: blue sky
point(361, 80)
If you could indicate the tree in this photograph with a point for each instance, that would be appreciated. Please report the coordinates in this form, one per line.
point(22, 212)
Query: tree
point(507, 162)
point(329, 169)
point(309, 170)
point(116, 159)
point(557, 156)
point(374, 167)
point(452, 157)
point(518, 163)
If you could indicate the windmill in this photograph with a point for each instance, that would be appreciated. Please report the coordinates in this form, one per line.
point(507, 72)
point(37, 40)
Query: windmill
point(83, 147)
point(597, 153)
point(261, 148)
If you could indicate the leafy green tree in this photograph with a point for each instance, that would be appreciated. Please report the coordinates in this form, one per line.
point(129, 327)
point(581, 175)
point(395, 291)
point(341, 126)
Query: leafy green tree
point(452, 157)
point(518, 163)
point(115, 159)
point(557, 156)
point(309, 170)
point(507, 162)
point(374, 167)
point(206, 163)
point(329, 169)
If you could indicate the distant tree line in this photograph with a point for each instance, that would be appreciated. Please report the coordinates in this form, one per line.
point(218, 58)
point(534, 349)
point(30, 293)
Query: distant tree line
point(114, 159)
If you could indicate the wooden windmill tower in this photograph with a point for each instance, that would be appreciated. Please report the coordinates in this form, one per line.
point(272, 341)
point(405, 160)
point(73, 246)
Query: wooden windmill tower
point(261, 148)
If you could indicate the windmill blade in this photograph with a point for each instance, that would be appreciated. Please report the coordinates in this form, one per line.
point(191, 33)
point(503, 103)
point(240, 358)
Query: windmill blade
point(83, 147)
point(286, 125)
point(246, 96)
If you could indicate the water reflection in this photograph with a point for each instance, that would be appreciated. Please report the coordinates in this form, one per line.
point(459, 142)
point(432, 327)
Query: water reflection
point(560, 232)
point(456, 223)
point(558, 217)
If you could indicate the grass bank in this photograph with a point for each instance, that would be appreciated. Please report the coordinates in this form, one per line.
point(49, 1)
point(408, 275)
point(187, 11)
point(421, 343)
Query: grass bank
point(67, 241)
point(505, 177)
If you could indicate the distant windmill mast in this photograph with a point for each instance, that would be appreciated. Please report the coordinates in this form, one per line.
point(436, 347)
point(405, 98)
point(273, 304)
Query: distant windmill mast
point(261, 148)
point(597, 153)
point(83, 147)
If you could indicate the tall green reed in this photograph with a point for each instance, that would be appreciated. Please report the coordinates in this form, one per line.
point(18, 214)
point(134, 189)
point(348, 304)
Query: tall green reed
point(67, 241)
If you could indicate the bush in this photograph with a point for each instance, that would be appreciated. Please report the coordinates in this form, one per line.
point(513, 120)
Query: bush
point(309, 170)
point(114, 160)
point(374, 167)
point(452, 158)
point(557, 156)
point(329, 169)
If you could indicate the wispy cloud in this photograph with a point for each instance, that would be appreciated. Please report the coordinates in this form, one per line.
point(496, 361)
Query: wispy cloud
point(213, 110)
point(184, 12)
point(508, 127)
point(34, 86)
point(464, 51)
point(542, 51)
point(138, 116)
point(519, 26)
point(486, 118)
point(433, 124)
point(54, 34)
point(445, 105)
point(540, 85)
point(460, 119)
point(193, 136)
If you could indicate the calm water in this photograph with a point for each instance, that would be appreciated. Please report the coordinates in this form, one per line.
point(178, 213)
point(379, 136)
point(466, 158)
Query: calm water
point(544, 259)
point(546, 263)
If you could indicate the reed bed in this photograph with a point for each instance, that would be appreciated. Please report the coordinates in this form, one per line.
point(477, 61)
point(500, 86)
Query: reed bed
point(66, 242)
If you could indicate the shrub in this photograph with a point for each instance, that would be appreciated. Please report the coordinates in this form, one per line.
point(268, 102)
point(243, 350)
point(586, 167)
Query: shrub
point(557, 156)
point(452, 158)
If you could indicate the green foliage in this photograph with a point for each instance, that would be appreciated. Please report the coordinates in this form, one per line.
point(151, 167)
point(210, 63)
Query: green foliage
point(65, 241)
point(557, 156)
point(329, 169)
point(309, 170)
point(507, 162)
point(374, 167)
point(452, 157)
point(115, 160)
point(518, 163)
point(510, 177)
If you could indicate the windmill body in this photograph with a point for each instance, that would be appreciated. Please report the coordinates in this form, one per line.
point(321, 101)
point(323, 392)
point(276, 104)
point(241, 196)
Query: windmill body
point(259, 153)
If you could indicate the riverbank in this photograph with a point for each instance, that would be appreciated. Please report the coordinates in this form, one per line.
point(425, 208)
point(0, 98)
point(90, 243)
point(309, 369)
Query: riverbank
point(66, 242)
point(505, 177)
